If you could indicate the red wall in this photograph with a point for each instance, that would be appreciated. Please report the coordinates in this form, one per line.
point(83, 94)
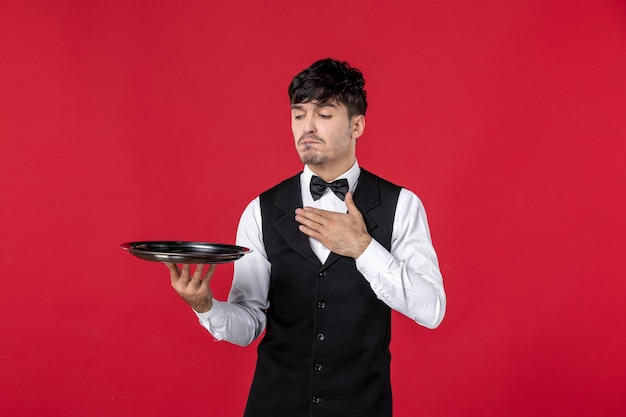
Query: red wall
point(132, 120)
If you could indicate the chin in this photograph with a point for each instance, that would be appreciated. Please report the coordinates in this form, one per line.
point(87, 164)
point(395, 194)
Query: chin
point(312, 159)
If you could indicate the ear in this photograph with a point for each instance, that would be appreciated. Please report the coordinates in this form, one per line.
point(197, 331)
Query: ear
point(358, 126)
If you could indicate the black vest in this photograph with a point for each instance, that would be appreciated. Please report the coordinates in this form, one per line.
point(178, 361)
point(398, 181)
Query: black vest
point(326, 346)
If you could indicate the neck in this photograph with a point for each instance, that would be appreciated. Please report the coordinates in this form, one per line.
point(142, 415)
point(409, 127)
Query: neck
point(329, 172)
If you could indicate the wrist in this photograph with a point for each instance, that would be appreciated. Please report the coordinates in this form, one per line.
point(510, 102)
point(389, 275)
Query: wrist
point(203, 307)
point(364, 243)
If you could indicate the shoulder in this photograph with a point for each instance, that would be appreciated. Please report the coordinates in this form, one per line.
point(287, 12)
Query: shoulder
point(407, 199)
point(410, 199)
point(287, 184)
point(370, 176)
point(252, 211)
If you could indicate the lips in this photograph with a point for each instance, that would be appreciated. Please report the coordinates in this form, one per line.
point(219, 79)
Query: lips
point(310, 140)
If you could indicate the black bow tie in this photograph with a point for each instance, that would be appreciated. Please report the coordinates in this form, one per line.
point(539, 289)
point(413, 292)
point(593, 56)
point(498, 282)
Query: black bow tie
point(318, 187)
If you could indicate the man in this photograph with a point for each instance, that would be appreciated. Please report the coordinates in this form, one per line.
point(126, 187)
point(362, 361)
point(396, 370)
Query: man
point(329, 262)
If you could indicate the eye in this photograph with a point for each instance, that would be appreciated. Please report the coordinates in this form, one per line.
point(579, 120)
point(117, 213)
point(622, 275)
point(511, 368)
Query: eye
point(298, 116)
point(325, 116)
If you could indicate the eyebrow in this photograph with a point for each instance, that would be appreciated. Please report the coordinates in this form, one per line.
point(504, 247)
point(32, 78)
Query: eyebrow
point(298, 106)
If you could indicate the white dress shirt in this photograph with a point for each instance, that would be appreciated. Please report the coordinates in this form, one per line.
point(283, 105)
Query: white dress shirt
point(407, 278)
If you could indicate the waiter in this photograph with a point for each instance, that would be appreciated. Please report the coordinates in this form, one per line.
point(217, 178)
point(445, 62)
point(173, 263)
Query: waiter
point(335, 248)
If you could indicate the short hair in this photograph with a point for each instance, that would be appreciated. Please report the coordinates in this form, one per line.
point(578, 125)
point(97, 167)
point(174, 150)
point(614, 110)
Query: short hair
point(329, 80)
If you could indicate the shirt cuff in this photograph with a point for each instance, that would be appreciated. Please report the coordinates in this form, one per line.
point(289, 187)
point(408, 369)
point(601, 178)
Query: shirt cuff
point(213, 319)
point(374, 260)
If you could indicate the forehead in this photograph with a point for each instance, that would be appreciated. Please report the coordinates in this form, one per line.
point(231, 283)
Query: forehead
point(315, 104)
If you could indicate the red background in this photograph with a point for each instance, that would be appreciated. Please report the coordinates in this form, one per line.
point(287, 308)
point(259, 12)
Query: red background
point(132, 120)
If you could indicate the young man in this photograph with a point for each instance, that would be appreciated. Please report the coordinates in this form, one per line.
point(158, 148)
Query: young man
point(335, 248)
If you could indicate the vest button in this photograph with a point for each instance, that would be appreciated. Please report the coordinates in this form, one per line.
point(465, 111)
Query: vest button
point(316, 400)
point(323, 274)
point(318, 367)
point(321, 305)
point(321, 337)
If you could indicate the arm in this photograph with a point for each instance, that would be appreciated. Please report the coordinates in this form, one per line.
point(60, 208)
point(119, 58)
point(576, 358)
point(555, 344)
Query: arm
point(241, 319)
point(407, 278)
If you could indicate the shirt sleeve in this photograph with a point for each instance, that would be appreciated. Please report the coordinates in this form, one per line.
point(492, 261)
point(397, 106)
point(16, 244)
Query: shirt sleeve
point(407, 278)
point(242, 319)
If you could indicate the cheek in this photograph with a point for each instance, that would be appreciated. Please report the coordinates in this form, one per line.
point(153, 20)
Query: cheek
point(297, 125)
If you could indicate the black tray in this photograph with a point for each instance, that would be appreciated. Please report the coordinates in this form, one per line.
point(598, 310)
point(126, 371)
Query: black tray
point(185, 252)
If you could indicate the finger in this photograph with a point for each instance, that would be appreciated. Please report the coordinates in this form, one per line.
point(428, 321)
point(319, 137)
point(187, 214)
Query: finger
point(310, 232)
point(172, 267)
point(184, 272)
point(308, 226)
point(209, 273)
point(310, 215)
point(174, 272)
point(311, 209)
point(197, 273)
point(350, 204)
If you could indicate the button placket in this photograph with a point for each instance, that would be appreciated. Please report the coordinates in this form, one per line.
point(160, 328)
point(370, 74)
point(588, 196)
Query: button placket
point(320, 337)
point(321, 304)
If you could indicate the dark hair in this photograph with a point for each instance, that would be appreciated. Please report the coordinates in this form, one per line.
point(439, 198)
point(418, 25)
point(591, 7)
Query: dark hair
point(330, 80)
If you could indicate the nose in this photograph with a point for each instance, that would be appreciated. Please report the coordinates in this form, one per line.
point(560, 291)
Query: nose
point(308, 124)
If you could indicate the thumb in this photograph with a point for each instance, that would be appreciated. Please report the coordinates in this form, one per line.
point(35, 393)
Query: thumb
point(352, 209)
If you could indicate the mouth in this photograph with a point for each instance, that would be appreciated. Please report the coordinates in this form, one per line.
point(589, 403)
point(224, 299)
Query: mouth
point(307, 140)
point(308, 143)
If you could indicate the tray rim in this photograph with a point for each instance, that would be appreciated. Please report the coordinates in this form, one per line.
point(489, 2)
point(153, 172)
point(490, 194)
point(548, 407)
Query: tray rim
point(185, 257)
